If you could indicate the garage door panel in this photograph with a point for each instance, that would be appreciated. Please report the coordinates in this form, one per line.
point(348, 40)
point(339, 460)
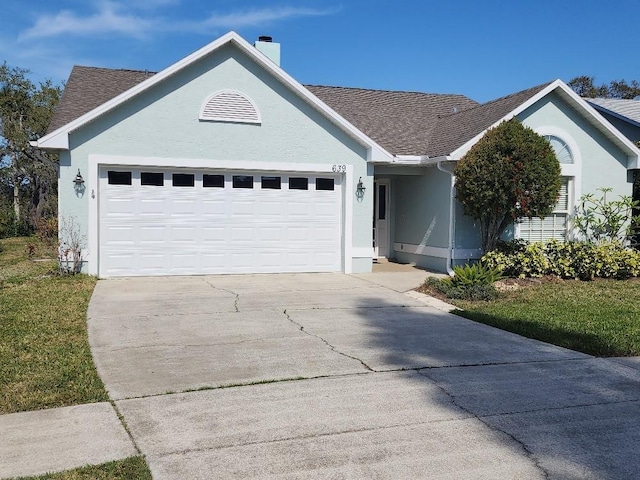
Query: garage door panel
point(184, 207)
point(167, 230)
point(152, 207)
point(119, 207)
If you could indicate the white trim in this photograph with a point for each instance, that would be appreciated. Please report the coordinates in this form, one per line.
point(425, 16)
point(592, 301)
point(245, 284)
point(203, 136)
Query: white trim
point(633, 153)
point(438, 252)
point(96, 161)
point(362, 252)
point(202, 117)
point(347, 226)
point(59, 139)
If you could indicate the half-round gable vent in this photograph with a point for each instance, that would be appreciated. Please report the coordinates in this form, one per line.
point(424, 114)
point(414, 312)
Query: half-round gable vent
point(229, 106)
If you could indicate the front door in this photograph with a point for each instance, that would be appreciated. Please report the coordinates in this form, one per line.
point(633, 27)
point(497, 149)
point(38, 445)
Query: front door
point(381, 218)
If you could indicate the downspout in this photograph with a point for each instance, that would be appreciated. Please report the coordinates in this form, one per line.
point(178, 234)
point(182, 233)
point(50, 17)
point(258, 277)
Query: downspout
point(451, 218)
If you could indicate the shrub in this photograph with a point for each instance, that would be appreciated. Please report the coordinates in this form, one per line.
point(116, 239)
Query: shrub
point(511, 173)
point(469, 282)
point(47, 229)
point(518, 259)
point(471, 292)
point(570, 260)
point(600, 220)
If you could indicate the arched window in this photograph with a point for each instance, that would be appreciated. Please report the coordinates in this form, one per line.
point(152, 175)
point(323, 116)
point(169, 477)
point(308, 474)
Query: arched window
point(229, 106)
point(561, 149)
point(556, 225)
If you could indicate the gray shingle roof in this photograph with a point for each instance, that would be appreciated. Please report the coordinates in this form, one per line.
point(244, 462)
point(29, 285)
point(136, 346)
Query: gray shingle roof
point(401, 122)
point(625, 108)
point(90, 87)
point(454, 131)
point(404, 123)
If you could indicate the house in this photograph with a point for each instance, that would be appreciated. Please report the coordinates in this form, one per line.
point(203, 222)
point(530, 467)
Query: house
point(223, 163)
point(622, 114)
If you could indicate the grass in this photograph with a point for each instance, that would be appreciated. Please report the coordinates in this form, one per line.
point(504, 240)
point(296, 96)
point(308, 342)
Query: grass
point(129, 468)
point(601, 317)
point(44, 351)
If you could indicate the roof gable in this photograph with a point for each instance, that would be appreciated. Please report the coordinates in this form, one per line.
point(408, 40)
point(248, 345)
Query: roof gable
point(124, 82)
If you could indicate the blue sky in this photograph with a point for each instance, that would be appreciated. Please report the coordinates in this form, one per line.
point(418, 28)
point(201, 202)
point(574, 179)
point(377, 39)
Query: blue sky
point(483, 49)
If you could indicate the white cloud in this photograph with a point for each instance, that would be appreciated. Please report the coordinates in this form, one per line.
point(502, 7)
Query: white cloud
point(108, 19)
point(260, 16)
point(118, 18)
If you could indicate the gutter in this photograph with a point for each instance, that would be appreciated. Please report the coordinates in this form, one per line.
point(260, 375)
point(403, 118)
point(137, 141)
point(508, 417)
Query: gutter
point(452, 216)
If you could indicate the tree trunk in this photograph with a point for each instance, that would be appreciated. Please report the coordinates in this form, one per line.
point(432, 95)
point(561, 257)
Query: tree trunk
point(16, 199)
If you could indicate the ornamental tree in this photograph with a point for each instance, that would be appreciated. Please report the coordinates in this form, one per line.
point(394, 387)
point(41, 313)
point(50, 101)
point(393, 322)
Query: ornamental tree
point(510, 174)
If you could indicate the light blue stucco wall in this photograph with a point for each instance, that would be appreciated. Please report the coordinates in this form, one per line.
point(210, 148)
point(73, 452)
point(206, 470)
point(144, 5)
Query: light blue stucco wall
point(163, 122)
point(420, 213)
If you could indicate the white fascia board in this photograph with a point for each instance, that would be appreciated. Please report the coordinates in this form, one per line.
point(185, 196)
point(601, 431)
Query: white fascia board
point(59, 139)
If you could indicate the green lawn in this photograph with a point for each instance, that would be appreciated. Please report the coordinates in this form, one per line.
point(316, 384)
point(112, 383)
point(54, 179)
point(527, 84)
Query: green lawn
point(600, 318)
point(133, 468)
point(44, 351)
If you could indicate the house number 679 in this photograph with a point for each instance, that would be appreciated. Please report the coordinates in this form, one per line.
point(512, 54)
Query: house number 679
point(339, 168)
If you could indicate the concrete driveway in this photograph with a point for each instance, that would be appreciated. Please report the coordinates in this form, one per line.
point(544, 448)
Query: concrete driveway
point(335, 376)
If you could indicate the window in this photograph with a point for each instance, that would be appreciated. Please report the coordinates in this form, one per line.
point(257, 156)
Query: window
point(213, 181)
point(119, 178)
point(183, 180)
point(271, 182)
point(561, 149)
point(242, 181)
point(298, 183)
point(324, 183)
point(552, 227)
point(152, 178)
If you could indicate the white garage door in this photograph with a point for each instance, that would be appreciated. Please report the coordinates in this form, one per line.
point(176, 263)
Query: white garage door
point(183, 222)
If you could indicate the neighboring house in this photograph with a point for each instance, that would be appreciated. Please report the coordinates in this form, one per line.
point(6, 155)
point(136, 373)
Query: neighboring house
point(223, 163)
point(622, 114)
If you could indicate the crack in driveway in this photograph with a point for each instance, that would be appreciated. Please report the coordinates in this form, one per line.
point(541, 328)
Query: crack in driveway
point(332, 347)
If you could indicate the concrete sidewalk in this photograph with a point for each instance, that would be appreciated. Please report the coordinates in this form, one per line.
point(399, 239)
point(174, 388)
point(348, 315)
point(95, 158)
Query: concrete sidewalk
point(42, 441)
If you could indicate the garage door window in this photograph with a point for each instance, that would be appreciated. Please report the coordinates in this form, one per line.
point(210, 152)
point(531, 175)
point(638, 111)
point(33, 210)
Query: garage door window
point(119, 178)
point(213, 181)
point(324, 184)
point(152, 178)
point(298, 183)
point(183, 180)
point(272, 183)
point(242, 181)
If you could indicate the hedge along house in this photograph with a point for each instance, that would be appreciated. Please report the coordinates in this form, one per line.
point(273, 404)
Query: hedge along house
point(223, 163)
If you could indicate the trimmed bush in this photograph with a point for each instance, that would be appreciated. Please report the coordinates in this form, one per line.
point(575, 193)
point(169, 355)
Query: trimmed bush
point(570, 260)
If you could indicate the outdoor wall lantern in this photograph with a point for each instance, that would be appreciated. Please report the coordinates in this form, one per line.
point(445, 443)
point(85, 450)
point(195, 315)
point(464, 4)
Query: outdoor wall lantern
point(78, 184)
point(78, 181)
point(360, 188)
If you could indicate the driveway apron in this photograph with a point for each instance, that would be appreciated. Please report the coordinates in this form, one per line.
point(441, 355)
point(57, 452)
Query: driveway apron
point(335, 376)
